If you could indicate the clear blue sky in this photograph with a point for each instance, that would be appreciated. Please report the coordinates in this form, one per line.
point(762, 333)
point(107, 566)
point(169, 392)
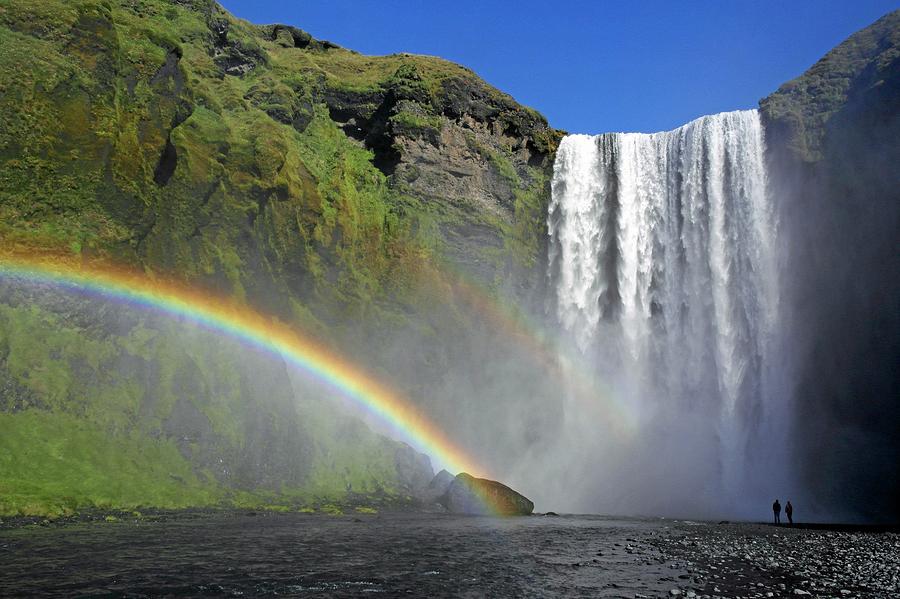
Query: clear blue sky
point(596, 66)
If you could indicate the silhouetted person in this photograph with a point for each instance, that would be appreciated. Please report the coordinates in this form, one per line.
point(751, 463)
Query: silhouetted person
point(776, 507)
point(789, 512)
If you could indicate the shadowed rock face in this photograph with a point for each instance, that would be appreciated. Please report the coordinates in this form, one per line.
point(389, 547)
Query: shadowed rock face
point(833, 154)
point(470, 495)
point(437, 488)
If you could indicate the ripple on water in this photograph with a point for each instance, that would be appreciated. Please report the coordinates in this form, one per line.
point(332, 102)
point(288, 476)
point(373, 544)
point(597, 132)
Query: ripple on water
point(233, 554)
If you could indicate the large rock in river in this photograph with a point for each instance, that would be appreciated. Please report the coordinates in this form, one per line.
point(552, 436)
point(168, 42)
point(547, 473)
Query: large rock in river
point(470, 495)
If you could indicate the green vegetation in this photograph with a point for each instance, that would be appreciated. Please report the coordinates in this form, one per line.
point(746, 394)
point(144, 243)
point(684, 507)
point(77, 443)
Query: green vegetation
point(410, 121)
point(177, 139)
point(153, 417)
point(801, 109)
point(56, 464)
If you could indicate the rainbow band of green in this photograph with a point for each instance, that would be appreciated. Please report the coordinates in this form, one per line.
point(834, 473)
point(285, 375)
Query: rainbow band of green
point(249, 327)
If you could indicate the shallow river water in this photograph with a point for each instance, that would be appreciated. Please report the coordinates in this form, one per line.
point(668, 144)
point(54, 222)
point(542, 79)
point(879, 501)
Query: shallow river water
point(241, 554)
point(246, 554)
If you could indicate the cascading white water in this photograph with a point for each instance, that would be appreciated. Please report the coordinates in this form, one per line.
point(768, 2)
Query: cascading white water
point(662, 262)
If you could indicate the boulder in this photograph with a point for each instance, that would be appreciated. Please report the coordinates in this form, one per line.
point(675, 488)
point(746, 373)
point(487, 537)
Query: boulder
point(436, 489)
point(470, 495)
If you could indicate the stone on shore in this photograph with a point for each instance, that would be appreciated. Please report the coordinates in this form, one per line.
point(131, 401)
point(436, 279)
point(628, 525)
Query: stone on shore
point(470, 495)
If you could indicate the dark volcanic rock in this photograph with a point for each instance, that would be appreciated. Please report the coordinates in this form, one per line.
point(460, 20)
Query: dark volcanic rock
point(757, 560)
point(470, 495)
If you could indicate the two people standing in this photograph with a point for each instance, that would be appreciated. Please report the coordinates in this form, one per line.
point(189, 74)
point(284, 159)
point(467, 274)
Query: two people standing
point(788, 511)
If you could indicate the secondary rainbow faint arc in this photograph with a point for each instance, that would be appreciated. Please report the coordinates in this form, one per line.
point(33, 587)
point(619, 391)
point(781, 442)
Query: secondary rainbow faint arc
point(252, 328)
point(594, 398)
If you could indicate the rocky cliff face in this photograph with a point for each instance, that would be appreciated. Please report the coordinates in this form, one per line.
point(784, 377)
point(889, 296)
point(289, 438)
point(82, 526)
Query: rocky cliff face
point(173, 135)
point(851, 88)
point(832, 135)
point(348, 195)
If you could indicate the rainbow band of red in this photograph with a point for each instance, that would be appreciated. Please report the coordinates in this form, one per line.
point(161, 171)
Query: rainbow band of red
point(250, 327)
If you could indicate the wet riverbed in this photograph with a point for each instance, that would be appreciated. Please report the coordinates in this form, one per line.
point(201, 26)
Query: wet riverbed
point(267, 554)
point(237, 554)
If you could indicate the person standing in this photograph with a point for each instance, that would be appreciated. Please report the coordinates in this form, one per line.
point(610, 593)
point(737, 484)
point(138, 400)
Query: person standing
point(776, 508)
point(789, 512)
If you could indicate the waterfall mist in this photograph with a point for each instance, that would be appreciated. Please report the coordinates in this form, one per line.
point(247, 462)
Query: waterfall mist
point(662, 265)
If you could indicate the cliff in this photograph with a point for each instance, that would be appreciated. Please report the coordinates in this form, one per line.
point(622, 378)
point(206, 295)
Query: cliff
point(854, 86)
point(359, 199)
point(832, 135)
point(172, 134)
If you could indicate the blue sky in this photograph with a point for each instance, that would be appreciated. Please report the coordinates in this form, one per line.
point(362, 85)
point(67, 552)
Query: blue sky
point(598, 66)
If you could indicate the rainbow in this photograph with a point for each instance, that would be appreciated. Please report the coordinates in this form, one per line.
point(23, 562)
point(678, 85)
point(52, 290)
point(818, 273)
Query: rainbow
point(594, 399)
point(252, 328)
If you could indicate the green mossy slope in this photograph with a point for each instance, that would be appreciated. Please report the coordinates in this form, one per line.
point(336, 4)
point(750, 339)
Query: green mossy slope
point(55, 464)
point(126, 410)
point(259, 163)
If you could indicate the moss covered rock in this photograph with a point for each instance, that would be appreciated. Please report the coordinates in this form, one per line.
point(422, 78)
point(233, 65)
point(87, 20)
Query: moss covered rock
point(358, 199)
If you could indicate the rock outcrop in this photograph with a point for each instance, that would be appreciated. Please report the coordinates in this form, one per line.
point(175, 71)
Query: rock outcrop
point(470, 495)
point(434, 493)
point(414, 471)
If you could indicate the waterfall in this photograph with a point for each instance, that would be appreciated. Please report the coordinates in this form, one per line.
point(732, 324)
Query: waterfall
point(662, 265)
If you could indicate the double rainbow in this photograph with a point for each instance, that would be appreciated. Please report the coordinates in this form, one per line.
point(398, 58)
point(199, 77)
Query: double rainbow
point(252, 328)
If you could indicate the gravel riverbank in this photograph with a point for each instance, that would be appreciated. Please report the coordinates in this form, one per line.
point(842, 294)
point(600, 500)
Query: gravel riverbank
point(758, 560)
